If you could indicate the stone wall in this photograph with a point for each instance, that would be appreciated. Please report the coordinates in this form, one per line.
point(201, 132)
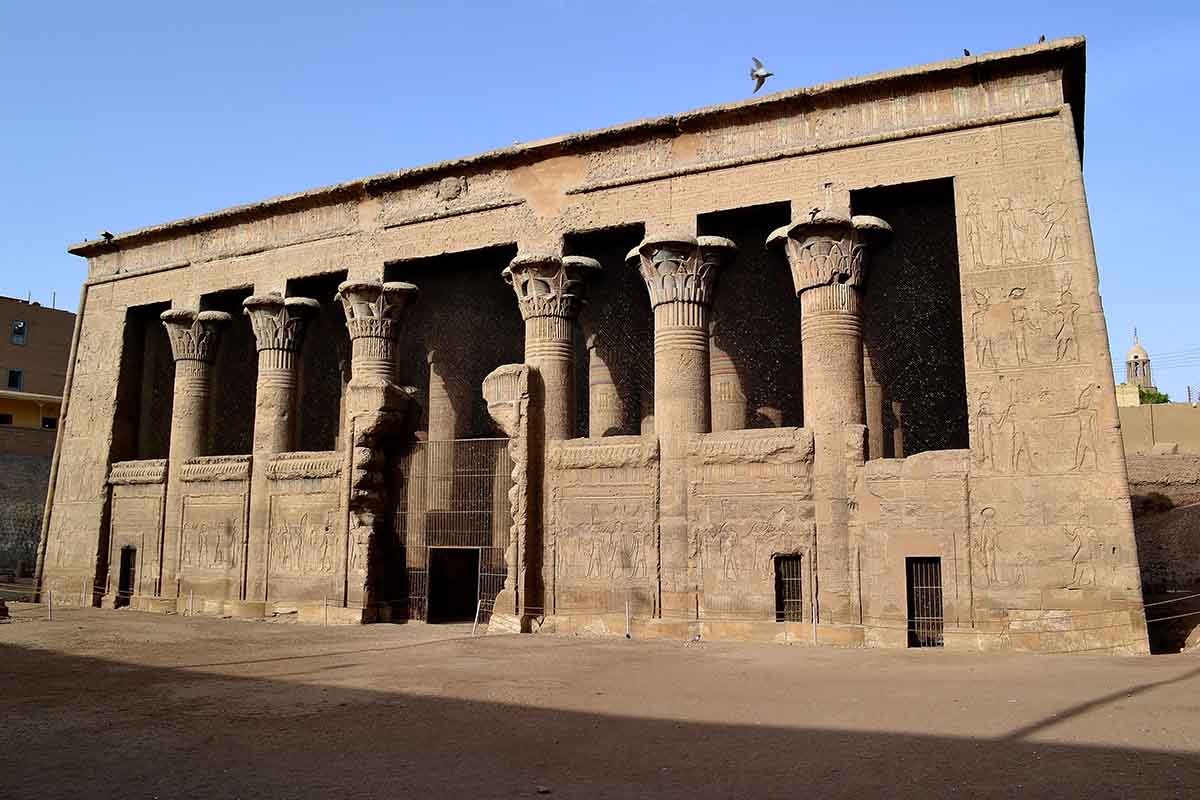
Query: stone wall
point(23, 481)
point(1160, 428)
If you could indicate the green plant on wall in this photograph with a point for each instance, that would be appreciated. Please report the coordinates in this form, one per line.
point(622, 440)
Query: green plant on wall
point(1152, 396)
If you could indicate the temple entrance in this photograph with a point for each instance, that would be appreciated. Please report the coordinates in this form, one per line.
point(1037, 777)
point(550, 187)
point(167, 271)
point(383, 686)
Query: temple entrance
point(452, 521)
point(453, 584)
point(126, 576)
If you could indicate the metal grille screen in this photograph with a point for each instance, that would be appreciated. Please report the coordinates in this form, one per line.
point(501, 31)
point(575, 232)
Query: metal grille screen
point(454, 494)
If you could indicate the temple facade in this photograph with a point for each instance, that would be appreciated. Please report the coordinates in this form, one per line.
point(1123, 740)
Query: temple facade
point(828, 367)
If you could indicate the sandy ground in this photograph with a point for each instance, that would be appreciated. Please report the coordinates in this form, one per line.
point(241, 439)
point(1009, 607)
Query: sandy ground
point(130, 705)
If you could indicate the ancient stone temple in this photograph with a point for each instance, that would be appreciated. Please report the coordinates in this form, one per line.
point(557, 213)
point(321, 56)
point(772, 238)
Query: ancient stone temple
point(828, 366)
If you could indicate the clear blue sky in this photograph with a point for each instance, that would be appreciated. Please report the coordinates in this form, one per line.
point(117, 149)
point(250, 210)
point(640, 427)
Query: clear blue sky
point(124, 114)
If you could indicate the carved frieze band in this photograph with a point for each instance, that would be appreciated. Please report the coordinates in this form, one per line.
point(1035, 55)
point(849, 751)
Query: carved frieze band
point(767, 446)
point(147, 471)
point(611, 452)
point(294, 466)
point(216, 468)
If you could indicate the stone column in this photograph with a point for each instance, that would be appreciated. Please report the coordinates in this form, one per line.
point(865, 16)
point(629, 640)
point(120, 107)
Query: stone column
point(444, 426)
point(279, 326)
point(873, 405)
point(728, 397)
point(549, 291)
point(827, 253)
point(375, 409)
point(605, 410)
point(194, 337)
point(680, 272)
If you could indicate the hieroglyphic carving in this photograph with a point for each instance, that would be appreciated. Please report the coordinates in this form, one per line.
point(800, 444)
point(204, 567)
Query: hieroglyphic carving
point(212, 533)
point(1026, 226)
point(303, 535)
point(1018, 332)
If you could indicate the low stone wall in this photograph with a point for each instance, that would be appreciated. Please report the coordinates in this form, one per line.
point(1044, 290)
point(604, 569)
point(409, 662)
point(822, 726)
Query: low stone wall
point(1166, 516)
point(1161, 426)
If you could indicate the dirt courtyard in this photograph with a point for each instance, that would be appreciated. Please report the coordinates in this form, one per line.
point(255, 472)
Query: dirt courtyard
point(131, 705)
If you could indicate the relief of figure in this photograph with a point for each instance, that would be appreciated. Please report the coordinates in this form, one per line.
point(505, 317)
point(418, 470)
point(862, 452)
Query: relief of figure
point(729, 566)
point(984, 352)
point(1023, 324)
point(985, 428)
point(987, 544)
point(1023, 559)
point(1012, 233)
point(1085, 440)
point(360, 539)
point(640, 570)
point(1082, 545)
point(976, 232)
point(1065, 346)
point(1054, 217)
point(595, 563)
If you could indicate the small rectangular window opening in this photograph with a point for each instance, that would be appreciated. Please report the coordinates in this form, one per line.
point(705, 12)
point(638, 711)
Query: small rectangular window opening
point(49, 423)
point(16, 379)
point(6, 419)
point(20, 331)
point(789, 595)
point(925, 614)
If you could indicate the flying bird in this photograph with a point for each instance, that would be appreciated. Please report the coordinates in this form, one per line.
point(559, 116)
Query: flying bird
point(759, 74)
point(966, 52)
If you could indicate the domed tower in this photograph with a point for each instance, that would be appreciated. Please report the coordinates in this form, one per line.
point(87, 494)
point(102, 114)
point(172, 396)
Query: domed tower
point(1137, 365)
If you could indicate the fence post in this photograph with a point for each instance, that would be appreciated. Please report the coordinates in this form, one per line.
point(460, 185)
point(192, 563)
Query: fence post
point(475, 624)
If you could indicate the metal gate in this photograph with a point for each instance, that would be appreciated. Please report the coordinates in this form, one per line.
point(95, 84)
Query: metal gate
point(925, 621)
point(789, 586)
point(454, 494)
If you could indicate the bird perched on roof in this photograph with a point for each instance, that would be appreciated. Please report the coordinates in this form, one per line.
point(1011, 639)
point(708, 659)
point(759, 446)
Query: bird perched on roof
point(966, 52)
point(1042, 38)
point(106, 236)
point(758, 74)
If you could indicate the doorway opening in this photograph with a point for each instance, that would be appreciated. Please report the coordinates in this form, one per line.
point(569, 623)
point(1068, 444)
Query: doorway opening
point(789, 594)
point(126, 576)
point(453, 584)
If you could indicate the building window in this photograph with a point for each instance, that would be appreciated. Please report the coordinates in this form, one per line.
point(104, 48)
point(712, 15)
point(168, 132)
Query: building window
point(49, 423)
point(5, 419)
point(16, 379)
point(20, 330)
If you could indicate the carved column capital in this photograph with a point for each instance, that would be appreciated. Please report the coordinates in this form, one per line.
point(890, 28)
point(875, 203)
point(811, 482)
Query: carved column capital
point(375, 310)
point(681, 267)
point(548, 285)
point(279, 322)
point(827, 248)
point(194, 334)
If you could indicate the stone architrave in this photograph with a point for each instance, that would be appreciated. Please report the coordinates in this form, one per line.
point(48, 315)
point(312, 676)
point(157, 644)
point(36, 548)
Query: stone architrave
point(279, 326)
point(376, 408)
point(680, 272)
point(506, 392)
point(828, 255)
point(194, 336)
point(549, 290)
